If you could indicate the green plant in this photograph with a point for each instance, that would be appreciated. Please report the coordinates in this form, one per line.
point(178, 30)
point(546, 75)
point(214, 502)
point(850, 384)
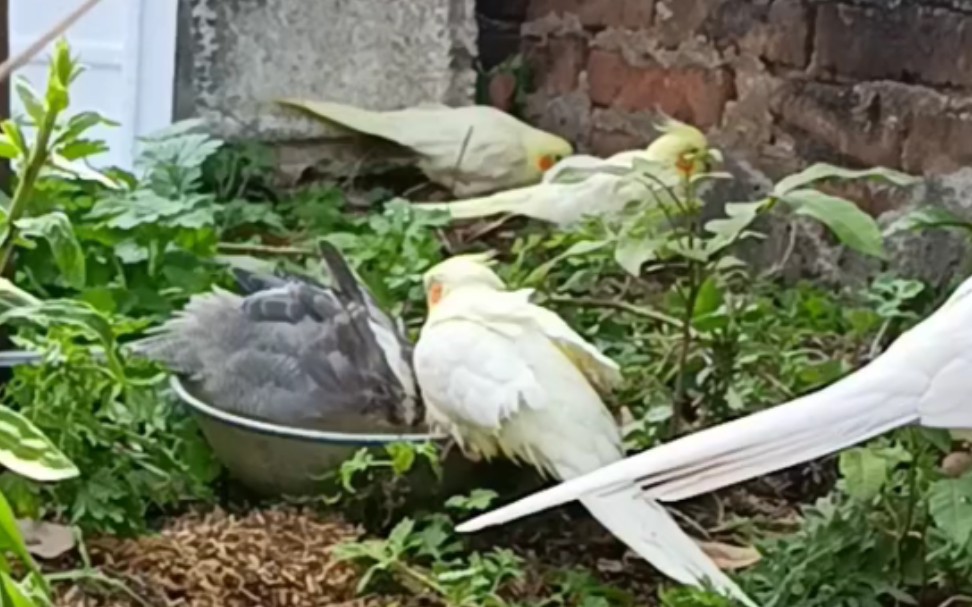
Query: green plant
point(57, 149)
point(136, 453)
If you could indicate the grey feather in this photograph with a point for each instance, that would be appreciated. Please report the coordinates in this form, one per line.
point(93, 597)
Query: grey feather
point(293, 352)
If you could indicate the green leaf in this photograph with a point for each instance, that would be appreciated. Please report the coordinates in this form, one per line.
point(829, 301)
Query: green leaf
point(950, 504)
point(11, 540)
point(76, 169)
point(7, 149)
point(864, 471)
point(31, 101)
point(852, 226)
point(479, 499)
point(15, 136)
point(631, 252)
point(79, 124)
point(57, 230)
point(402, 457)
point(927, 218)
point(12, 594)
point(822, 171)
point(26, 451)
point(82, 148)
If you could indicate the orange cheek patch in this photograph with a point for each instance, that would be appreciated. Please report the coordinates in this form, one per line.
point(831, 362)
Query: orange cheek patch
point(546, 162)
point(434, 295)
point(685, 165)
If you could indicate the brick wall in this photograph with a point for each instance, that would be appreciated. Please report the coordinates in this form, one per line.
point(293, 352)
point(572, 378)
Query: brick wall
point(859, 82)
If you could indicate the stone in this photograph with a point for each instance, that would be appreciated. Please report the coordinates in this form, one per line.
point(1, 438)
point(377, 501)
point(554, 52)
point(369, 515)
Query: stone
point(542, 8)
point(236, 58)
point(788, 32)
point(607, 143)
point(678, 20)
point(852, 122)
point(693, 94)
point(627, 14)
point(910, 44)
point(938, 143)
point(556, 62)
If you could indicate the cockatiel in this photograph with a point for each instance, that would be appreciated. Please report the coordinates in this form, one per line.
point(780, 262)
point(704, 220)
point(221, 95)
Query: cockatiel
point(600, 188)
point(924, 378)
point(294, 352)
point(504, 376)
point(470, 150)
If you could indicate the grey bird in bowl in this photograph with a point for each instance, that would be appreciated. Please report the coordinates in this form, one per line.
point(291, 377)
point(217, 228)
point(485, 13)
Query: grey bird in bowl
point(294, 352)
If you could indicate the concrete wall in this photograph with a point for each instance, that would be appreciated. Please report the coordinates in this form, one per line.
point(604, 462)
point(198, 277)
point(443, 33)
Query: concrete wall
point(237, 56)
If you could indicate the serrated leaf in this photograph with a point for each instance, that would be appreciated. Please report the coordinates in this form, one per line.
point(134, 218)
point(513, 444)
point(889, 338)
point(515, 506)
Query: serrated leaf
point(25, 450)
point(821, 171)
point(852, 226)
point(950, 505)
point(864, 472)
point(56, 229)
point(402, 457)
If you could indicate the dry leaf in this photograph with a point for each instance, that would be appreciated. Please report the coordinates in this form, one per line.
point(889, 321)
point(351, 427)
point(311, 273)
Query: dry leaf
point(46, 540)
point(957, 463)
point(730, 558)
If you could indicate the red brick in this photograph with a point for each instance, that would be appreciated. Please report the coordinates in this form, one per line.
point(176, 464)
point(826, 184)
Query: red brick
point(907, 44)
point(696, 95)
point(606, 74)
point(629, 14)
point(502, 91)
point(557, 62)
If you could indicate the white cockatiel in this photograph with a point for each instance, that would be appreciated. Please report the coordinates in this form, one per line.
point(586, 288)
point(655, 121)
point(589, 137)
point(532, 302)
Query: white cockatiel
point(506, 377)
point(581, 186)
point(470, 150)
point(924, 378)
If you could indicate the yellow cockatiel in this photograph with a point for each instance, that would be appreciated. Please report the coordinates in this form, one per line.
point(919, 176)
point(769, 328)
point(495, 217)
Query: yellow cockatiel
point(506, 377)
point(470, 150)
point(601, 188)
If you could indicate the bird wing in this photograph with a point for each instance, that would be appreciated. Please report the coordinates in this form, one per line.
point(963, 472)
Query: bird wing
point(505, 378)
point(923, 377)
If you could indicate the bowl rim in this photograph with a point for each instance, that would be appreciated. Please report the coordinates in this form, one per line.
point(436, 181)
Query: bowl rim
point(318, 436)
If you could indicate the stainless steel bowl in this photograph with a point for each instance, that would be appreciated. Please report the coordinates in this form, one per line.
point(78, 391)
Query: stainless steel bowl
point(280, 460)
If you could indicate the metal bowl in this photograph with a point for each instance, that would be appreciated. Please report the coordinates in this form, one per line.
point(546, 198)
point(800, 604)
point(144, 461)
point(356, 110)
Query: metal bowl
point(280, 460)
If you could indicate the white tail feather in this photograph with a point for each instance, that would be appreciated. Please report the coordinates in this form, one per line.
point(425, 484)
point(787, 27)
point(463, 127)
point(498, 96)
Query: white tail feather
point(647, 528)
point(511, 201)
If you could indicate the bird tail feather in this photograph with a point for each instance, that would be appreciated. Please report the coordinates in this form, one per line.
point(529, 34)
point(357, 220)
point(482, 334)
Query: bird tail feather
point(866, 404)
point(511, 201)
point(378, 124)
point(648, 529)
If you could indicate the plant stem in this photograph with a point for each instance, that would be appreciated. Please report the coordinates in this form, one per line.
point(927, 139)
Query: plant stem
point(695, 280)
point(678, 401)
point(594, 302)
point(25, 185)
point(259, 249)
